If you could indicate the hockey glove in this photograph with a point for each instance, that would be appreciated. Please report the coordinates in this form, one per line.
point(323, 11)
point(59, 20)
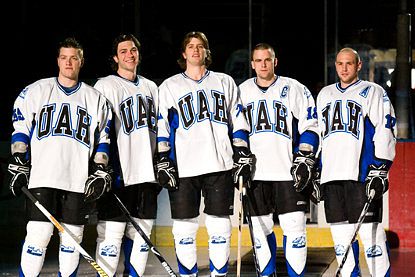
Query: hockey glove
point(98, 182)
point(166, 173)
point(18, 172)
point(316, 196)
point(302, 169)
point(243, 163)
point(377, 179)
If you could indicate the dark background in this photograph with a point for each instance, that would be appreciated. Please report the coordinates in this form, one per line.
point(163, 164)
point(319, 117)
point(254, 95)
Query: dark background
point(32, 30)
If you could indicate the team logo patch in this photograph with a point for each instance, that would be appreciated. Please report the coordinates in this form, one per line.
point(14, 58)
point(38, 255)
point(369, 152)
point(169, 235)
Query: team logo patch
point(17, 115)
point(23, 93)
point(239, 109)
point(365, 92)
point(299, 242)
point(339, 250)
point(32, 250)
point(67, 249)
point(144, 247)
point(374, 251)
point(186, 241)
point(218, 240)
point(284, 91)
point(109, 251)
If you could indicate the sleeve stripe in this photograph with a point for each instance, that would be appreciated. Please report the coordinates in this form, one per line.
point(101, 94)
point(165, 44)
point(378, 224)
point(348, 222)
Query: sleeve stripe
point(20, 137)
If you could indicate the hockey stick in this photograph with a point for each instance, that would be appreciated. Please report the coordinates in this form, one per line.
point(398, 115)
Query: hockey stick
point(245, 203)
point(240, 223)
point(163, 261)
point(63, 230)
point(359, 223)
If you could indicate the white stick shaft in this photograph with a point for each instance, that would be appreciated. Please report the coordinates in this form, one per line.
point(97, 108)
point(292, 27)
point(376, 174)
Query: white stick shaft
point(240, 223)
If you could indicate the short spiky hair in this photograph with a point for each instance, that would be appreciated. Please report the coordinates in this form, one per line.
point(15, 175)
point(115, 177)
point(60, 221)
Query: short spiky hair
point(121, 38)
point(199, 35)
point(71, 42)
point(262, 46)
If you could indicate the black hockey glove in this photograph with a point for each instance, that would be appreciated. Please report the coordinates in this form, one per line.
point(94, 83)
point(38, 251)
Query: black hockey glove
point(377, 179)
point(302, 169)
point(243, 163)
point(98, 182)
point(167, 173)
point(18, 172)
point(317, 194)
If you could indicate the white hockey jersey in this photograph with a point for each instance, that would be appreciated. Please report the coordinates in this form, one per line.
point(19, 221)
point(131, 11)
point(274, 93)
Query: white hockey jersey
point(62, 129)
point(280, 118)
point(135, 117)
point(200, 119)
point(357, 127)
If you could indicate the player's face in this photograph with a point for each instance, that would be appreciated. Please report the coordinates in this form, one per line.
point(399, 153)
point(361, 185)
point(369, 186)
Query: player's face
point(69, 63)
point(264, 63)
point(127, 56)
point(347, 68)
point(195, 52)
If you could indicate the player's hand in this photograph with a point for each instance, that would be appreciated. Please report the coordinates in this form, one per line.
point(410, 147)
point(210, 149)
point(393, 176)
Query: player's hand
point(243, 163)
point(377, 179)
point(98, 182)
point(18, 172)
point(166, 172)
point(302, 169)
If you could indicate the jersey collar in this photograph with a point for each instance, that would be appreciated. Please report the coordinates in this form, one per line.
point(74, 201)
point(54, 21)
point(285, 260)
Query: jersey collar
point(197, 81)
point(68, 91)
point(342, 90)
point(264, 89)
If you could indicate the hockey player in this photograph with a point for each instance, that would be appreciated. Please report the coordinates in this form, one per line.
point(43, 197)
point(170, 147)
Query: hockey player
point(200, 121)
point(284, 139)
point(134, 100)
point(60, 129)
point(357, 127)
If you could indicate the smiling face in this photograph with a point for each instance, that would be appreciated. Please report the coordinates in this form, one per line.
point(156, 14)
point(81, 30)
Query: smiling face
point(127, 57)
point(348, 65)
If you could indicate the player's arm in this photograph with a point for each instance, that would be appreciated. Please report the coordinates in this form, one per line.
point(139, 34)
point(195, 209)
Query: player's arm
point(244, 160)
point(18, 170)
point(382, 116)
point(167, 122)
point(100, 174)
point(305, 112)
